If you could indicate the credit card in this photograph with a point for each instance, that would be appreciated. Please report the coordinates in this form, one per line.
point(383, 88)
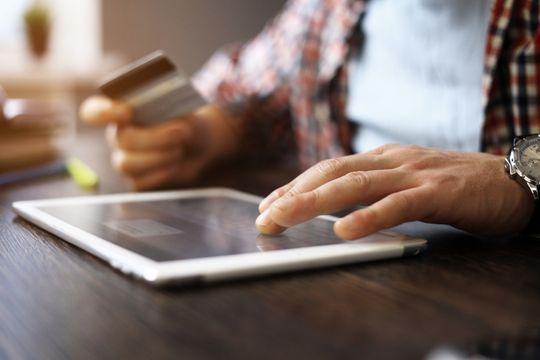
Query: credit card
point(154, 88)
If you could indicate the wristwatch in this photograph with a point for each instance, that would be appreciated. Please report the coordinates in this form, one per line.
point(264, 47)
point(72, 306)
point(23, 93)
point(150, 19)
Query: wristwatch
point(523, 163)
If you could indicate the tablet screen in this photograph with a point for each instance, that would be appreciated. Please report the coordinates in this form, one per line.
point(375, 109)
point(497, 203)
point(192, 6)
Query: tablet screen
point(176, 229)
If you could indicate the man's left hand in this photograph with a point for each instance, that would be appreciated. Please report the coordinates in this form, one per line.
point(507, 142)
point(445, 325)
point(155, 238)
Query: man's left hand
point(471, 191)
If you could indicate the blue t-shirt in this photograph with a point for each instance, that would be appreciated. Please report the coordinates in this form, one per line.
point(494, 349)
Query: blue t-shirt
point(418, 77)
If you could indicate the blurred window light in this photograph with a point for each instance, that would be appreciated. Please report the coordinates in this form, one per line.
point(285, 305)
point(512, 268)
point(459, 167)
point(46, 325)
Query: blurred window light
point(75, 37)
point(76, 33)
point(11, 26)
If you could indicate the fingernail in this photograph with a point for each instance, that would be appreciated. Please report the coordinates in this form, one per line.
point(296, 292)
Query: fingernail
point(264, 219)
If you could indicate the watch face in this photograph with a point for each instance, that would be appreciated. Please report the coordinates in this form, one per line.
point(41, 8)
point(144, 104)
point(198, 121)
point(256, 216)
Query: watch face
point(528, 159)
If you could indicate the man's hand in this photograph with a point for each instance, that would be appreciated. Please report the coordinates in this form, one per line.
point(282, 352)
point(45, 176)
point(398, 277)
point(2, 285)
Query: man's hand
point(470, 191)
point(168, 154)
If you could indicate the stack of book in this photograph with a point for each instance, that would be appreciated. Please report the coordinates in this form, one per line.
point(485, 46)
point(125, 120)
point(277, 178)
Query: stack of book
point(32, 132)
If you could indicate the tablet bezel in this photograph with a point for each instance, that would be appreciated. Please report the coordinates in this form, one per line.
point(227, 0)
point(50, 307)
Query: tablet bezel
point(215, 268)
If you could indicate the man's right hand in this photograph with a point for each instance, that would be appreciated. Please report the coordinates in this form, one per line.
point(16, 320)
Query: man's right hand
point(173, 153)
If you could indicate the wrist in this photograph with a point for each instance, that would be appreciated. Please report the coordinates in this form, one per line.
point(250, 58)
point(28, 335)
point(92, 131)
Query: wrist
point(220, 131)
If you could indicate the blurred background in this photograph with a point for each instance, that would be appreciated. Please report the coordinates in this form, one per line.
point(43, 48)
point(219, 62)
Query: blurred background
point(88, 37)
point(53, 53)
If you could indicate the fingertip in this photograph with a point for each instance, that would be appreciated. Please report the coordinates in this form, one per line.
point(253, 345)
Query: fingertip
point(98, 110)
point(351, 227)
point(92, 107)
point(263, 219)
point(341, 229)
point(265, 224)
point(285, 211)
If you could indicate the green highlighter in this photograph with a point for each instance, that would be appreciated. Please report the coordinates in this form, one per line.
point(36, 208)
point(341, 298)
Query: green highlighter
point(82, 174)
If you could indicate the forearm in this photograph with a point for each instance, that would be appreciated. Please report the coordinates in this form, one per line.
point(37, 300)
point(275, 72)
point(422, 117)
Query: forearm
point(255, 135)
point(221, 131)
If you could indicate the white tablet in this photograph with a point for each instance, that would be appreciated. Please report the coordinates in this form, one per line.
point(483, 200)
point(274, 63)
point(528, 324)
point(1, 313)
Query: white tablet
point(205, 235)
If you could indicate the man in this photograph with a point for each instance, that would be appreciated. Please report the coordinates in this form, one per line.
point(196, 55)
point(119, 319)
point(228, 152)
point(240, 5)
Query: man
point(322, 64)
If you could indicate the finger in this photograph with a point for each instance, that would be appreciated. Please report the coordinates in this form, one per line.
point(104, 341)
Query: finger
point(130, 162)
point(182, 172)
point(265, 224)
point(110, 134)
point(154, 179)
point(359, 187)
point(326, 171)
point(318, 173)
point(99, 110)
point(397, 208)
point(274, 195)
point(150, 138)
point(279, 192)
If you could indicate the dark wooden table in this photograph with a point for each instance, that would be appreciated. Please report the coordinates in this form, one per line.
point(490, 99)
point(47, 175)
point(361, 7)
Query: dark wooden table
point(58, 302)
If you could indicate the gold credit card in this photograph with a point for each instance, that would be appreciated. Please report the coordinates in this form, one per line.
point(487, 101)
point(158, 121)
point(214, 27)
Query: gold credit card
point(154, 88)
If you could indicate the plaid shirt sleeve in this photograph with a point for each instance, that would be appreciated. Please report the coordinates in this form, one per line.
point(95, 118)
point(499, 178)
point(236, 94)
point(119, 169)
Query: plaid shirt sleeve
point(296, 70)
point(281, 81)
point(512, 74)
point(252, 80)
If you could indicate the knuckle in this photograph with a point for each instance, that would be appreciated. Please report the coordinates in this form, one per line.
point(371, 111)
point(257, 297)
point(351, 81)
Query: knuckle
point(412, 147)
point(402, 201)
point(415, 165)
point(383, 149)
point(291, 193)
point(445, 182)
point(329, 166)
point(421, 159)
point(282, 190)
point(418, 162)
point(377, 151)
point(315, 198)
point(409, 150)
point(448, 184)
point(358, 179)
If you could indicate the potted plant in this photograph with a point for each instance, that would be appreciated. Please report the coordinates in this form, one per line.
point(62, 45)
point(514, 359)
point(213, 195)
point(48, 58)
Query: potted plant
point(37, 21)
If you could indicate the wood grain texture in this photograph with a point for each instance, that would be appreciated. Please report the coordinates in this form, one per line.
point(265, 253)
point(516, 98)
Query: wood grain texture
point(57, 302)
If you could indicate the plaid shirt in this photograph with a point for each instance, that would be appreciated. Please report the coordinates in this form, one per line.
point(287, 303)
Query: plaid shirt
point(291, 79)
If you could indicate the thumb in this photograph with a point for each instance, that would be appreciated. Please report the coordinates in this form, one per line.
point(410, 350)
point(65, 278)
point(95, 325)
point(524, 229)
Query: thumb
point(100, 110)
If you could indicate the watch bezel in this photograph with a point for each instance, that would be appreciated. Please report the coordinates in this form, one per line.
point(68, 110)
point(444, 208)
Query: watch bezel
point(513, 168)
